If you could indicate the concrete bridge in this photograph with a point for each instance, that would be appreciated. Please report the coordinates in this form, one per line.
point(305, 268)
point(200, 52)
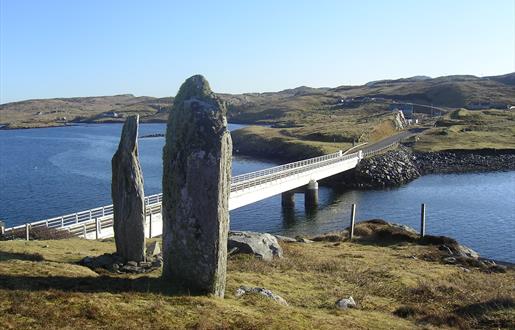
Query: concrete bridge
point(287, 179)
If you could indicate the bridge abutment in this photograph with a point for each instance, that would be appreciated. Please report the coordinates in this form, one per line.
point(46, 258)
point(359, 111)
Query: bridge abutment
point(311, 195)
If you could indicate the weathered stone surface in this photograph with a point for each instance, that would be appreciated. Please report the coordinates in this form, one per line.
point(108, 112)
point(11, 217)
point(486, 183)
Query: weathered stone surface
point(262, 245)
point(128, 195)
point(196, 186)
point(285, 239)
point(242, 290)
point(345, 303)
point(301, 239)
point(114, 263)
point(465, 251)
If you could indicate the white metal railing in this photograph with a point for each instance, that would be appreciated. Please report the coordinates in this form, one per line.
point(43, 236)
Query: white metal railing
point(98, 224)
point(376, 151)
point(257, 178)
point(83, 222)
point(78, 218)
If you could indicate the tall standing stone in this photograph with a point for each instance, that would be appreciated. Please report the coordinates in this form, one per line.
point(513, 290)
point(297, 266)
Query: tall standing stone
point(196, 186)
point(128, 196)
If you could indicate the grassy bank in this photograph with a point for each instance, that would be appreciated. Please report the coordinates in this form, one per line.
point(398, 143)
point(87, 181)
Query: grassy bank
point(315, 135)
point(396, 285)
point(470, 130)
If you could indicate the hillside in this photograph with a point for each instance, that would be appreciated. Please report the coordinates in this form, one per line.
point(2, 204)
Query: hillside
point(288, 107)
point(57, 112)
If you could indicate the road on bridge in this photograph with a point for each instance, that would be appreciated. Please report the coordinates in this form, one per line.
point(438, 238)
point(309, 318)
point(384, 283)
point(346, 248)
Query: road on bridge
point(392, 139)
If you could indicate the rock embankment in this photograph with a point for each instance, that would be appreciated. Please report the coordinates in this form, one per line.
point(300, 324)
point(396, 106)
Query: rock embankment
point(465, 161)
point(401, 166)
point(392, 168)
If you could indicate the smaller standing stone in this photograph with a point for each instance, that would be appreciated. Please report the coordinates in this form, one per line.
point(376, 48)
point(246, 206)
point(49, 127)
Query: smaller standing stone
point(128, 196)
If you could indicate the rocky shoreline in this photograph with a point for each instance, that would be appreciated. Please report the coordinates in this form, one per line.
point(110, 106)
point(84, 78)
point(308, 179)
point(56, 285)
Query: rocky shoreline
point(402, 165)
point(461, 161)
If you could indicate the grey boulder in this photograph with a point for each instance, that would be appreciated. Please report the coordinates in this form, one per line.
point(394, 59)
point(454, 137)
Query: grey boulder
point(345, 303)
point(242, 290)
point(262, 245)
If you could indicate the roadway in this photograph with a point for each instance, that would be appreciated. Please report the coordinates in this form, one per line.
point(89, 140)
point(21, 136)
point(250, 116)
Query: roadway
point(392, 139)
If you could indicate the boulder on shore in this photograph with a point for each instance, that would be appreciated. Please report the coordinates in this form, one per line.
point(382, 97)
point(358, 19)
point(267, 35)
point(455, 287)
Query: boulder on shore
point(262, 245)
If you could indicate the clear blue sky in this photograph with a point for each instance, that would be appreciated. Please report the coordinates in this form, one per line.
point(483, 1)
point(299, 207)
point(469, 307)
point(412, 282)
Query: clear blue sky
point(83, 48)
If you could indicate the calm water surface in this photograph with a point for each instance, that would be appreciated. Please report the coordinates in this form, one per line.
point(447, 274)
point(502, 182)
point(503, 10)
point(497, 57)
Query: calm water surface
point(52, 171)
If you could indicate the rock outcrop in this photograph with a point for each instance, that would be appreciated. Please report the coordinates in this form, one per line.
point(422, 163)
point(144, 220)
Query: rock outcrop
point(128, 195)
point(243, 290)
point(196, 186)
point(261, 245)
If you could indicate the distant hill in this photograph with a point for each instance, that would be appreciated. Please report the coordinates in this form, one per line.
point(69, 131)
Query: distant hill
point(56, 112)
point(463, 91)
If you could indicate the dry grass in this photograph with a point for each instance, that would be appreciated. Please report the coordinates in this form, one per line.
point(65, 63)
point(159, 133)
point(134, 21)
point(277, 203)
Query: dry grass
point(463, 129)
point(312, 134)
point(393, 290)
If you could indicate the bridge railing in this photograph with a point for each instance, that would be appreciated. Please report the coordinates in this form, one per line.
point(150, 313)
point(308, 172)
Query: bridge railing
point(275, 173)
point(78, 219)
point(376, 151)
point(276, 169)
point(97, 225)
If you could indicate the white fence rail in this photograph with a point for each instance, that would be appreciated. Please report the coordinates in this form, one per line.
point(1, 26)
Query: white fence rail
point(94, 220)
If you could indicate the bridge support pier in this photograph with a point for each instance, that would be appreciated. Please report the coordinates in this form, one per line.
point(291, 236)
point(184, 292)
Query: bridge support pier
point(288, 199)
point(311, 196)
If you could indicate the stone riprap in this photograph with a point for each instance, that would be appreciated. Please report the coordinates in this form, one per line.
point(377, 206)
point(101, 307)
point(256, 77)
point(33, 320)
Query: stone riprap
point(196, 186)
point(392, 168)
point(128, 195)
point(465, 161)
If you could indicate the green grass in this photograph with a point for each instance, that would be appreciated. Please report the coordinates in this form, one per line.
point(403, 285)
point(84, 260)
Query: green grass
point(385, 280)
point(468, 130)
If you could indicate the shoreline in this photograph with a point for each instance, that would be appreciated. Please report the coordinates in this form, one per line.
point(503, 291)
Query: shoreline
point(72, 124)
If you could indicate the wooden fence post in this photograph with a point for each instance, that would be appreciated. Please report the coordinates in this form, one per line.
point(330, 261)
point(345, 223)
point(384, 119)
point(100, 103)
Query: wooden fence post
point(2, 228)
point(150, 226)
point(352, 220)
point(84, 230)
point(27, 231)
point(423, 220)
